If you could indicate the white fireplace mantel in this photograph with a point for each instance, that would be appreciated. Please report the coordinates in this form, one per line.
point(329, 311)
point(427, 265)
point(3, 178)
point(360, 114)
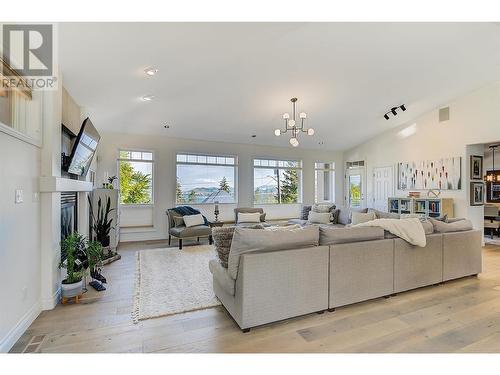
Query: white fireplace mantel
point(59, 184)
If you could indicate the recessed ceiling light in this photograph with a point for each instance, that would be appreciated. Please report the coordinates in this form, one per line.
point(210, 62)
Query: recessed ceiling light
point(148, 98)
point(150, 71)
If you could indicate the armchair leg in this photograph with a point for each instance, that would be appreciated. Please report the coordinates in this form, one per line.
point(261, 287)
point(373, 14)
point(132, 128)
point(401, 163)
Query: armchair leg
point(180, 243)
point(169, 239)
point(210, 240)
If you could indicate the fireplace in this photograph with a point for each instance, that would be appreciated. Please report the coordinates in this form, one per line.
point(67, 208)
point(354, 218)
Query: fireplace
point(69, 213)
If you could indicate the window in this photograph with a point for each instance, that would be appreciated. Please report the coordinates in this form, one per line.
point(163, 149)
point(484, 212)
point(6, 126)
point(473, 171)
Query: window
point(277, 181)
point(205, 179)
point(324, 182)
point(136, 177)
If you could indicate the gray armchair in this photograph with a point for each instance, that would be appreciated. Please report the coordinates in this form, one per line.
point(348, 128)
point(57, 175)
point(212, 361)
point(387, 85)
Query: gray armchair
point(249, 210)
point(181, 231)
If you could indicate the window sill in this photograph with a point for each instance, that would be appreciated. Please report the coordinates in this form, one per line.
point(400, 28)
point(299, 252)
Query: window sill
point(146, 205)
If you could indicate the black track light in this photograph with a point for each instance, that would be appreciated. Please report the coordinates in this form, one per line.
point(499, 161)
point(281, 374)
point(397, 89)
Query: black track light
point(393, 111)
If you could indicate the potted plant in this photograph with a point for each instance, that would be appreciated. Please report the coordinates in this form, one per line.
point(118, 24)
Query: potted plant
point(71, 246)
point(101, 225)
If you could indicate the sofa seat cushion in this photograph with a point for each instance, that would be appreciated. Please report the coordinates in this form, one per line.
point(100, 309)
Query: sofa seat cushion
point(270, 239)
point(221, 275)
point(332, 235)
point(196, 231)
point(456, 226)
point(253, 225)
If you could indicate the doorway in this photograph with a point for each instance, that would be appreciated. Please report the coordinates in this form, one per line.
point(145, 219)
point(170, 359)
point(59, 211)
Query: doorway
point(355, 184)
point(383, 187)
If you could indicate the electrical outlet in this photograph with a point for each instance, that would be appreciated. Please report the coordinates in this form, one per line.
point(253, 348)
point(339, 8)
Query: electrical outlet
point(19, 196)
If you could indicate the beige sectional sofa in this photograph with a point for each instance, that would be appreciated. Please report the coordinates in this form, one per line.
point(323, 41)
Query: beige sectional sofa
point(345, 266)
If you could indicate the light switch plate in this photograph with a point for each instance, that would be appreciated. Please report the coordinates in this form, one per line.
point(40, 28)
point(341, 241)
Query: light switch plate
point(19, 196)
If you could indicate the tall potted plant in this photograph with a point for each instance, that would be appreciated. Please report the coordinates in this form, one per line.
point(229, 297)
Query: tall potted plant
point(102, 225)
point(70, 248)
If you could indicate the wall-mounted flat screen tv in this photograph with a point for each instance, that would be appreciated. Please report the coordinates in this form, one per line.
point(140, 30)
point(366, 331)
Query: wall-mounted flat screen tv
point(84, 149)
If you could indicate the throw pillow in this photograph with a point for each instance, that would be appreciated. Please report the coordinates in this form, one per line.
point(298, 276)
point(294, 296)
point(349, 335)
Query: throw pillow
point(249, 217)
point(178, 221)
point(335, 216)
point(304, 213)
point(321, 208)
point(223, 236)
point(358, 217)
point(457, 226)
point(319, 217)
point(443, 218)
point(346, 212)
point(193, 220)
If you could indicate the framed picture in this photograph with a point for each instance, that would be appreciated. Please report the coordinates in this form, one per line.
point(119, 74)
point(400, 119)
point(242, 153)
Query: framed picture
point(476, 193)
point(476, 167)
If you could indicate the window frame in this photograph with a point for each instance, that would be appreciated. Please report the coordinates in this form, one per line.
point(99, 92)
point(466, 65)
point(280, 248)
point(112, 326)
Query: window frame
point(207, 154)
point(332, 181)
point(153, 172)
point(299, 168)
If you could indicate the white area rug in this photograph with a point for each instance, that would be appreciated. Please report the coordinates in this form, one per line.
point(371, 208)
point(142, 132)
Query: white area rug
point(171, 281)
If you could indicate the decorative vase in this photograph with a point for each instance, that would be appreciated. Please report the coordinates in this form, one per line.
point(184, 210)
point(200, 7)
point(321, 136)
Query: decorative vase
point(71, 290)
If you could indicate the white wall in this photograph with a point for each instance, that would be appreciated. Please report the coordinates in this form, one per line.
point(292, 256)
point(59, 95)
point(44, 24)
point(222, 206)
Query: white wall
point(19, 239)
point(474, 119)
point(165, 150)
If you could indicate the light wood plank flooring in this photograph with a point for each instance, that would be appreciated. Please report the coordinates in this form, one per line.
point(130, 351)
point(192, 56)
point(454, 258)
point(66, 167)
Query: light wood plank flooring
point(458, 316)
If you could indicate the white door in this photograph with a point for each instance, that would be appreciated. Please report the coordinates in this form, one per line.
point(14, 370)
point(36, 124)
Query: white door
point(383, 187)
point(354, 187)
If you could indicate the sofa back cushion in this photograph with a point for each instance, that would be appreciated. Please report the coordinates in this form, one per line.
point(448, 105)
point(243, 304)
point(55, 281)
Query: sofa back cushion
point(384, 215)
point(457, 226)
point(359, 217)
point(331, 236)
point(270, 239)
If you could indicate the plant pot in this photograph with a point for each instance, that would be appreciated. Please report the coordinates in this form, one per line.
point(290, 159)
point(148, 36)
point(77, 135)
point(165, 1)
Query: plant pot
point(71, 290)
point(104, 241)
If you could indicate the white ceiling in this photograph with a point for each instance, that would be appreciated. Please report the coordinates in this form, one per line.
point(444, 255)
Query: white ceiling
point(227, 81)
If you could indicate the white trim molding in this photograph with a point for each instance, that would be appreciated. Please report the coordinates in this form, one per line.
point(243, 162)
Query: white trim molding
point(7, 342)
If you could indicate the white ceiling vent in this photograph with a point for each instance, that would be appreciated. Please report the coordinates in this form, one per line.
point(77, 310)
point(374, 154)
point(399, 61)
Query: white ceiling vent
point(444, 114)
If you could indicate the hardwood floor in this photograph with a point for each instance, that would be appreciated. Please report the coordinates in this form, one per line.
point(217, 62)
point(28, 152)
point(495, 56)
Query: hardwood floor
point(458, 316)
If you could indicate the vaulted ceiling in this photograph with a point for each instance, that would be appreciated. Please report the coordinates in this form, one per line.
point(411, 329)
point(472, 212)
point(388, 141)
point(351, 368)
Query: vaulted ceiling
point(228, 81)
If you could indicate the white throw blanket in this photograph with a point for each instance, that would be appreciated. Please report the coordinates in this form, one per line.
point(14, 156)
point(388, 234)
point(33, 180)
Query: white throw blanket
point(410, 230)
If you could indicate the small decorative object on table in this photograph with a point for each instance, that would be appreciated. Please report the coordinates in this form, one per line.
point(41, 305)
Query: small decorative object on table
point(216, 211)
point(414, 194)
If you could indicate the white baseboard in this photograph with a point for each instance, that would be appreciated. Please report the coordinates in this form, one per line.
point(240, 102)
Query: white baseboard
point(50, 303)
point(7, 342)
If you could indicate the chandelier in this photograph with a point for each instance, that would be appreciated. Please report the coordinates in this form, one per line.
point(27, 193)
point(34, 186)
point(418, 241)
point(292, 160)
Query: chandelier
point(493, 176)
point(292, 126)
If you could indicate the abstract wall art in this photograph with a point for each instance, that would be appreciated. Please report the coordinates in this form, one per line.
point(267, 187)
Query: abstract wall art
point(443, 174)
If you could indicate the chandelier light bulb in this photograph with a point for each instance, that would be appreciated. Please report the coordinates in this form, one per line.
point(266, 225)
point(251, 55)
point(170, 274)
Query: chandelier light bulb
point(291, 123)
point(286, 116)
point(294, 142)
point(310, 131)
point(303, 115)
point(277, 132)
